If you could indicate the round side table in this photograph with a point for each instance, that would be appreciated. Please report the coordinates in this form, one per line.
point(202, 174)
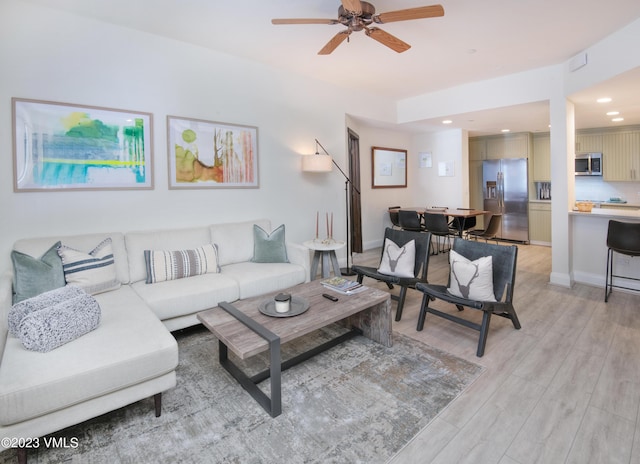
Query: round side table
point(326, 251)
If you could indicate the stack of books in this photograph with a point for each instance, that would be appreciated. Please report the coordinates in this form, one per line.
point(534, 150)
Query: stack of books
point(342, 285)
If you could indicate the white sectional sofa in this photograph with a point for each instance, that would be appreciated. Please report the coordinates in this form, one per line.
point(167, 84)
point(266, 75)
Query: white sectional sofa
point(132, 354)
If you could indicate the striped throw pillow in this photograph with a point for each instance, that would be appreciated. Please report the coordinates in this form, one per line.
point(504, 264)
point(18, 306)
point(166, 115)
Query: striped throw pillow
point(94, 272)
point(172, 265)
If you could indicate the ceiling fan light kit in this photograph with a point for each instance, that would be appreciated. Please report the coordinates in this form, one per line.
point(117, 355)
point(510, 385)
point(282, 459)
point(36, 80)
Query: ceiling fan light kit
point(356, 16)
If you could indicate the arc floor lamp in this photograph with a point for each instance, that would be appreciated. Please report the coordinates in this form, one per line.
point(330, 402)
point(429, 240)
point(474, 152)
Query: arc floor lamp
point(325, 163)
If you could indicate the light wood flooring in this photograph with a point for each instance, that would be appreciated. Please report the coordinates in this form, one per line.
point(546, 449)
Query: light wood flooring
point(563, 389)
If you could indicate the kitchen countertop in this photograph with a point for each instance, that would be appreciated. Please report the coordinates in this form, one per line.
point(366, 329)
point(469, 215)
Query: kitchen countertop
point(613, 213)
point(606, 203)
point(618, 204)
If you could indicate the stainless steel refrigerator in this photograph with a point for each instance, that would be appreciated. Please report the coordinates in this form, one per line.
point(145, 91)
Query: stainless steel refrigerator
point(505, 190)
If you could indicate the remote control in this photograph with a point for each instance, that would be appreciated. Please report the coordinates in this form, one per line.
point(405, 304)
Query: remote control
point(329, 297)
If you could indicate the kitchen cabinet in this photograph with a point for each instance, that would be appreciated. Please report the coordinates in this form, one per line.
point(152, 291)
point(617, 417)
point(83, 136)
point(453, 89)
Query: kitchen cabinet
point(500, 146)
point(542, 158)
point(540, 223)
point(589, 142)
point(621, 156)
point(509, 146)
point(477, 149)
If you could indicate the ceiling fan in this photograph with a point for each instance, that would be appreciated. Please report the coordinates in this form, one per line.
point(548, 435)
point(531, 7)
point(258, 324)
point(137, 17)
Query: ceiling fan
point(357, 16)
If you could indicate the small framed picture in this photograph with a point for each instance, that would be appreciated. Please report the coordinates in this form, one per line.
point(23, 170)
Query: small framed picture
point(389, 167)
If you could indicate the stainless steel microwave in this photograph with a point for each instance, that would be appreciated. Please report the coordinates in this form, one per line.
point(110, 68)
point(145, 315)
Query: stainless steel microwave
point(588, 164)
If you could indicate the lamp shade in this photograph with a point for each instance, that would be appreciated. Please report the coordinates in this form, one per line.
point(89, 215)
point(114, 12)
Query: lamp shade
point(317, 163)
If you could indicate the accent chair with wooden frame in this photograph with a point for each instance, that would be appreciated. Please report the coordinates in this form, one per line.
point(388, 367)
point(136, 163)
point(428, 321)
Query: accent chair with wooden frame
point(504, 260)
point(401, 238)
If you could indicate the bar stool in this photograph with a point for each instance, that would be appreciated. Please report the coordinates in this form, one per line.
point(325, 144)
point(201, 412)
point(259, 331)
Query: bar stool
point(623, 238)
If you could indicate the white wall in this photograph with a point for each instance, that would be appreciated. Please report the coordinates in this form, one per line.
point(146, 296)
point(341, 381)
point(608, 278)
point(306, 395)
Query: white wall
point(513, 89)
point(424, 186)
point(610, 57)
point(430, 188)
point(376, 201)
point(50, 55)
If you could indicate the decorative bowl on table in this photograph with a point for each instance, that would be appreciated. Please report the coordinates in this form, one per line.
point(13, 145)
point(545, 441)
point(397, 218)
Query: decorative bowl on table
point(584, 206)
point(298, 306)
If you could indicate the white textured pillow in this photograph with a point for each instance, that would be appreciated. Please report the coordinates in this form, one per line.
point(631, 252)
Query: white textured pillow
point(94, 272)
point(396, 261)
point(171, 265)
point(472, 280)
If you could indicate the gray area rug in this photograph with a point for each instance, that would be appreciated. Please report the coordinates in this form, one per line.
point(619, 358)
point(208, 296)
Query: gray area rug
point(358, 402)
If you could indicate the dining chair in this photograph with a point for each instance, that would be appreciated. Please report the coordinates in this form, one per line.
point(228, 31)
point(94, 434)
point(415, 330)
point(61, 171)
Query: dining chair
point(410, 220)
point(394, 216)
point(437, 224)
point(462, 225)
point(475, 285)
point(490, 232)
point(622, 238)
point(420, 266)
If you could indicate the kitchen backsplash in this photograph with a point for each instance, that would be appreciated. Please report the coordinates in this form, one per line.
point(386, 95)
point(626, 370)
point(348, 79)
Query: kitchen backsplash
point(595, 189)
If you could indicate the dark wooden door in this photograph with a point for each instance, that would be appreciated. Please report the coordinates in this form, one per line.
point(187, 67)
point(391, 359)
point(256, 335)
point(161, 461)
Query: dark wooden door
point(354, 197)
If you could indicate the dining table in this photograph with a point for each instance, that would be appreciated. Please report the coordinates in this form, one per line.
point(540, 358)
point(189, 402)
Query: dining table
point(462, 213)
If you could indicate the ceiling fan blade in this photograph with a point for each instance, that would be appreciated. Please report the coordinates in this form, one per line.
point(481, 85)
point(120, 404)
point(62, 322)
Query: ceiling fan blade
point(334, 42)
point(387, 39)
point(352, 5)
point(420, 12)
point(304, 21)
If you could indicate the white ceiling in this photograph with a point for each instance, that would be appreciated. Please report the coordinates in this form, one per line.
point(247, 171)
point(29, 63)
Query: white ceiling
point(475, 40)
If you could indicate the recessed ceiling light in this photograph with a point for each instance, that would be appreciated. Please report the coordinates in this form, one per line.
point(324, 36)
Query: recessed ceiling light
point(447, 121)
point(603, 100)
point(506, 130)
point(617, 119)
point(613, 113)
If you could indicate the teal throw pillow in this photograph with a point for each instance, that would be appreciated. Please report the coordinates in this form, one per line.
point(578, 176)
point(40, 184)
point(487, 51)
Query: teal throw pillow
point(33, 276)
point(269, 248)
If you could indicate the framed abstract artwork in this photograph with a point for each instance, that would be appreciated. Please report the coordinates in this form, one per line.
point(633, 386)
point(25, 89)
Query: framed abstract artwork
point(389, 167)
point(60, 146)
point(207, 154)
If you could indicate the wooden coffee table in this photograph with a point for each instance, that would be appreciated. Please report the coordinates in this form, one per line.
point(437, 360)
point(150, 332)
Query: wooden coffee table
point(244, 330)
